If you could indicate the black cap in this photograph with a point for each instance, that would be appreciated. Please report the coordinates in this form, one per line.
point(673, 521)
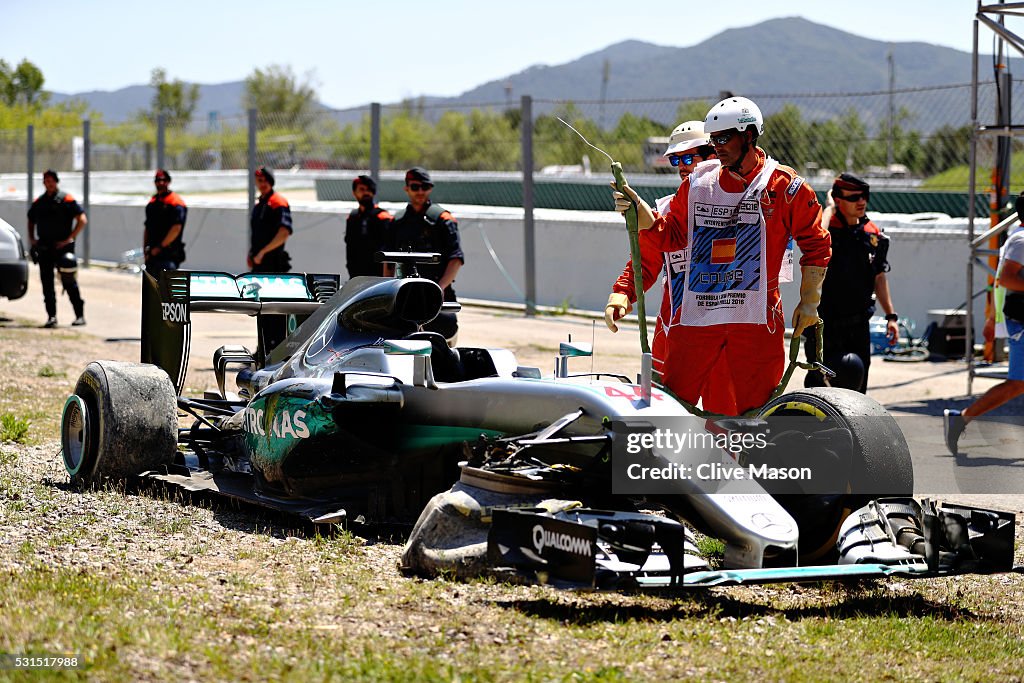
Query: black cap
point(418, 174)
point(366, 181)
point(1019, 206)
point(51, 172)
point(850, 183)
point(266, 174)
point(161, 174)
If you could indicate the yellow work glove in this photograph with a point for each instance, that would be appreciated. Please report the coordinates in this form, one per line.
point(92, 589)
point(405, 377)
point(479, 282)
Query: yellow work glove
point(806, 313)
point(644, 213)
point(617, 307)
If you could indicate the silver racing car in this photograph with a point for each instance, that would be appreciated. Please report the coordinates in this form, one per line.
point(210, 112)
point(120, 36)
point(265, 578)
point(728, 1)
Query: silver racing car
point(586, 480)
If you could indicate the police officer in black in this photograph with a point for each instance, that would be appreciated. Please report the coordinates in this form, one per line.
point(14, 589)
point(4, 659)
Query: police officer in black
point(855, 282)
point(270, 226)
point(165, 222)
point(364, 229)
point(59, 220)
point(427, 227)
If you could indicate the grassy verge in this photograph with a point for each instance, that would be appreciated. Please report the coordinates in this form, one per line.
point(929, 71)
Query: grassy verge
point(154, 585)
point(957, 178)
point(338, 618)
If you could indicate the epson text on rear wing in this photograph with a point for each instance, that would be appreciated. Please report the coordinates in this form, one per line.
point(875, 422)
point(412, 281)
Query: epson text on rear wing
point(169, 301)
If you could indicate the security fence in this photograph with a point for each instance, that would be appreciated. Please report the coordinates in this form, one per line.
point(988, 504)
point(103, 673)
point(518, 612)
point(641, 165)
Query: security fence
point(911, 144)
point(911, 140)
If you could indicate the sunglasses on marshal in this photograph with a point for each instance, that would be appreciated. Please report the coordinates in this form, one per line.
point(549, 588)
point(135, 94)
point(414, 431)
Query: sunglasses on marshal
point(684, 159)
point(722, 138)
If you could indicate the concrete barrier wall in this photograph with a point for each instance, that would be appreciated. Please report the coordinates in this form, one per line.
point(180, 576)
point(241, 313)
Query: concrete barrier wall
point(579, 253)
point(141, 182)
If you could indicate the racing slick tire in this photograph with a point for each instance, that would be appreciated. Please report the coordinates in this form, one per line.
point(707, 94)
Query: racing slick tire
point(880, 462)
point(121, 421)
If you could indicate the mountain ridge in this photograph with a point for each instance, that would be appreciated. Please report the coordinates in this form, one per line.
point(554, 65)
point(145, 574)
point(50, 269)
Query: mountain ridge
point(783, 56)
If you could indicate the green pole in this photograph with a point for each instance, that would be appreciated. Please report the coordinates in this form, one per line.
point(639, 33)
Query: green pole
point(633, 229)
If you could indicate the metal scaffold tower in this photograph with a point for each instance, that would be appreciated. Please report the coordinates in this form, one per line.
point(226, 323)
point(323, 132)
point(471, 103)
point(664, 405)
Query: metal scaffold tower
point(985, 247)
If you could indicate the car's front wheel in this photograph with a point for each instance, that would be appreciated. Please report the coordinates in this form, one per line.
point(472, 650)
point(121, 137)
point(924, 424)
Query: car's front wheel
point(879, 463)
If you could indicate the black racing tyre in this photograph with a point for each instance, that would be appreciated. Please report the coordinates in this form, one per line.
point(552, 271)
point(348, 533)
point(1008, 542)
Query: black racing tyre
point(881, 463)
point(121, 421)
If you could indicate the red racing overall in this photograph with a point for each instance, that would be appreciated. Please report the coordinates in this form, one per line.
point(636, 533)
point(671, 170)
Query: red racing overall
point(754, 353)
point(718, 396)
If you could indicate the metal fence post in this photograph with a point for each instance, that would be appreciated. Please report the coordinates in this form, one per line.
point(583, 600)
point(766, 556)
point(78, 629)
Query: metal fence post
point(30, 153)
point(526, 126)
point(972, 181)
point(375, 141)
point(161, 124)
point(252, 170)
point(85, 184)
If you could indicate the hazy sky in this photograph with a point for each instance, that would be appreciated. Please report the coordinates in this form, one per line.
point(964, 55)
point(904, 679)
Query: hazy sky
point(386, 50)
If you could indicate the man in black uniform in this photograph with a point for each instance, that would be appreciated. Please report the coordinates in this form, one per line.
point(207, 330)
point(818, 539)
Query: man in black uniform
point(364, 229)
point(855, 278)
point(427, 227)
point(270, 227)
point(165, 223)
point(53, 213)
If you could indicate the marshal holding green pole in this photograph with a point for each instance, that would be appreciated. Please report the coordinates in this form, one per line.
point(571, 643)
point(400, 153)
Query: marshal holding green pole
point(633, 230)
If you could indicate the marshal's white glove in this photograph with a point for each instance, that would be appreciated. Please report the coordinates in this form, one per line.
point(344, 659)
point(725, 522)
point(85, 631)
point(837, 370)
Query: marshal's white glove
point(644, 213)
point(618, 306)
point(806, 312)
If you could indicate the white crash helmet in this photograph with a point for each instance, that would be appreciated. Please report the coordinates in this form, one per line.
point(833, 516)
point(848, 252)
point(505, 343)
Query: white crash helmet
point(734, 112)
point(686, 136)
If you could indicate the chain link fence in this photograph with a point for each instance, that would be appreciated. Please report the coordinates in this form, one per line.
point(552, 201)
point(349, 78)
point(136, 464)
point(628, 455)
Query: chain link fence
point(14, 150)
point(127, 146)
point(912, 145)
point(52, 147)
point(904, 141)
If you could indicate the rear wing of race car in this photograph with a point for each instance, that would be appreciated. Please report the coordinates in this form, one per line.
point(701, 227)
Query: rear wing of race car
point(169, 301)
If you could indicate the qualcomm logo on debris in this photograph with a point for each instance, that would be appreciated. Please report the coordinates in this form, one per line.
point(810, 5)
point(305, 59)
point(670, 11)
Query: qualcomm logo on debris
point(542, 538)
point(174, 312)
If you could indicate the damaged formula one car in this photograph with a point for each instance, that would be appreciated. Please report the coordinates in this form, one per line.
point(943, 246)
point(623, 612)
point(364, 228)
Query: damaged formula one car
point(360, 417)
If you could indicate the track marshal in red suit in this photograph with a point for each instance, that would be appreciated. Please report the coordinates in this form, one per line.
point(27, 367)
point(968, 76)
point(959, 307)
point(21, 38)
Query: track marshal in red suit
point(737, 216)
